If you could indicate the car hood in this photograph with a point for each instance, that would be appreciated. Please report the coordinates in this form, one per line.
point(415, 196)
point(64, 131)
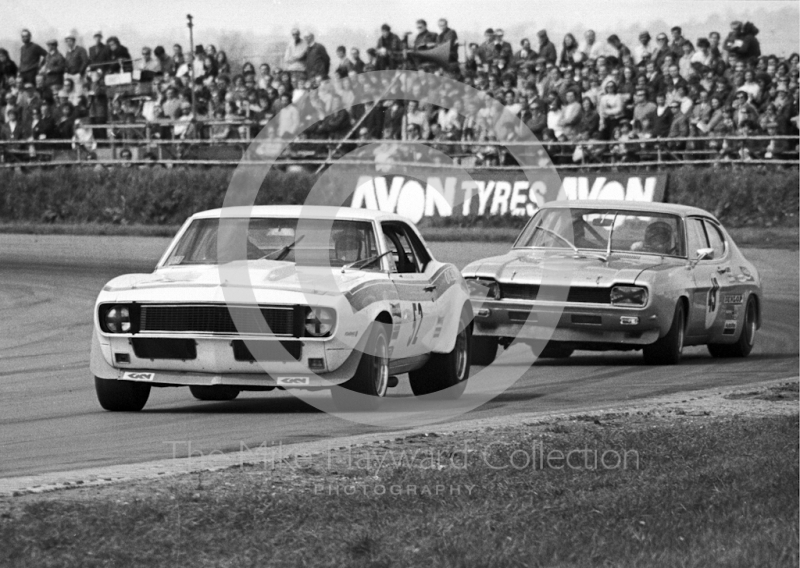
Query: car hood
point(530, 266)
point(177, 283)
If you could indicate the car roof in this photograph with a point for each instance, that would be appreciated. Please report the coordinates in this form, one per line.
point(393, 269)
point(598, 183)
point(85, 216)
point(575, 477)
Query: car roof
point(306, 211)
point(649, 206)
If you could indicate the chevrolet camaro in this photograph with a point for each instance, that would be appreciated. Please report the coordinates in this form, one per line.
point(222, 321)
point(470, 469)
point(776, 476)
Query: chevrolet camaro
point(341, 299)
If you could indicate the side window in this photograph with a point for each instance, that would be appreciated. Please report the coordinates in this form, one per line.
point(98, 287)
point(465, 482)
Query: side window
point(402, 253)
point(715, 239)
point(696, 236)
point(421, 254)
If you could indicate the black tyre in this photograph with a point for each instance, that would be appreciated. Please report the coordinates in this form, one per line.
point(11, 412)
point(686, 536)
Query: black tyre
point(555, 351)
point(445, 374)
point(121, 396)
point(372, 375)
point(747, 336)
point(484, 349)
point(668, 349)
point(219, 392)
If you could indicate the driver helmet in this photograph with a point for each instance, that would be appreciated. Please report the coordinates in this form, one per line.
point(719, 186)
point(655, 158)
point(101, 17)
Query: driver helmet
point(658, 237)
point(347, 245)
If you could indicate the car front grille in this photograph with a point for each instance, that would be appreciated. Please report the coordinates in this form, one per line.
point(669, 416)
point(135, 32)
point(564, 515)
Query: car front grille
point(249, 320)
point(574, 294)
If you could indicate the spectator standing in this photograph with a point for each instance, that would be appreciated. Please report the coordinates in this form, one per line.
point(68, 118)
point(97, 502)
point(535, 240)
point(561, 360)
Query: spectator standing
point(31, 58)
point(676, 47)
point(590, 48)
point(356, 63)
point(342, 64)
point(119, 58)
point(642, 108)
point(98, 53)
point(54, 65)
point(524, 57)
point(424, 39)
point(704, 55)
point(570, 54)
point(98, 104)
point(77, 60)
point(645, 50)
point(611, 109)
point(389, 50)
point(12, 129)
point(741, 43)
point(547, 50)
point(449, 36)
point(663, 117)
point(8, 69)
point(502, 49)
point(294, 58)
point(149, 63)
point(620, 49)
point(318, 62)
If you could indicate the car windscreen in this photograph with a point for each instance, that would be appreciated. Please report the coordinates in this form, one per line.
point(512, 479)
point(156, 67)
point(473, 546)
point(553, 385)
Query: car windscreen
point(590, 229)
point(315, 242)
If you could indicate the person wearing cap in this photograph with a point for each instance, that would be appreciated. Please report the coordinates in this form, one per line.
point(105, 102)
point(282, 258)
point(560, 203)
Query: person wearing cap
point(294, 56)
point(645, 50)
point(31, 58)
point(54, 65)
point(98, 53)
point(547, 50)
point(388, 49)
point(77, 60)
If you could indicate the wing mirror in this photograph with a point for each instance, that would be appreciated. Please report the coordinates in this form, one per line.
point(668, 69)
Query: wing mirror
point(702, 254)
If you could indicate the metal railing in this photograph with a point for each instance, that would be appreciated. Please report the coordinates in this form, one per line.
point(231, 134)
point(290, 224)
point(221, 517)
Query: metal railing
point(155, 143)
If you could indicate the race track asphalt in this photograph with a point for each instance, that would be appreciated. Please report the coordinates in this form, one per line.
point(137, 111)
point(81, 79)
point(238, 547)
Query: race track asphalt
point(50, 419)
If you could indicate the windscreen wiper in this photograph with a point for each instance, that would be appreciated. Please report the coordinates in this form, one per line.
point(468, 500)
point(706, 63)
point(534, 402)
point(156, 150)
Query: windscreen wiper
point(282, 252)
point(364, 262)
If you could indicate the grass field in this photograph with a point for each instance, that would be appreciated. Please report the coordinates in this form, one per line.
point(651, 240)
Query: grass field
point(688, 491)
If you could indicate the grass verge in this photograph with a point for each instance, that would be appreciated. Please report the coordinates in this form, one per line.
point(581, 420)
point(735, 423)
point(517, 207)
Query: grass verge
point(646, 489)
point(775, 237)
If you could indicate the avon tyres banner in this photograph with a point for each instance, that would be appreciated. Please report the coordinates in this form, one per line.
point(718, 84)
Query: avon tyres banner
point(495, 193)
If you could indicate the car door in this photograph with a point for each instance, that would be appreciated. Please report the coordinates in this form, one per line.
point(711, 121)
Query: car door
point(708, 278)
point(731, 290)
point(414, 288)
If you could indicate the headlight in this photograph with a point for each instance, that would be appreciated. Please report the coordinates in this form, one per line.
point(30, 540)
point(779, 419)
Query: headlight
point(628, 296)
point(483, 288)
point(117, 319)
point(320, 322)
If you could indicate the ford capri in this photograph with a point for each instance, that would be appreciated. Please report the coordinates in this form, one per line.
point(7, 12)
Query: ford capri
point(334, 298)
point(605, 275)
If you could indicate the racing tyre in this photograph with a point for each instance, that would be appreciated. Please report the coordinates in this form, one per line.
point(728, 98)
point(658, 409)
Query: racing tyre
point(484, 349)
point(668, 349)
point(214, 393)
point(371, 378)
point(747, 337)
point(121, 396)
point(445, 374)
point(555, 351)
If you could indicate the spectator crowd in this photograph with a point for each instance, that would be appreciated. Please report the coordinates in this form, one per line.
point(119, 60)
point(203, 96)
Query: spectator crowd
point(668, 95)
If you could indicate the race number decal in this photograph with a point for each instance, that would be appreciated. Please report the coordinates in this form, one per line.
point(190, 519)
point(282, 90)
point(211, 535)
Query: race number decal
point(293, 381)
point(132, 376)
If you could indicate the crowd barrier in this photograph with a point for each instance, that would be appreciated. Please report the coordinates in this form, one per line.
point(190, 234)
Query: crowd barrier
point(157, 143)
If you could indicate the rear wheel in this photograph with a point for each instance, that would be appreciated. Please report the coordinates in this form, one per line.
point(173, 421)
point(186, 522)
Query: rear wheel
point(372, 375)
point(218, 392)
point(668, 349)
point(445, 374)
point(747, 337)
point(121, 396)
point(484, 349)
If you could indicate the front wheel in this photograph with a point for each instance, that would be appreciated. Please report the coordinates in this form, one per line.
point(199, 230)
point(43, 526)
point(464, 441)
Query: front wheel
point(121, 396)
point(372, 375)
point(668, 349)
point(747, 337)
point(445, 374)
point(219, 392)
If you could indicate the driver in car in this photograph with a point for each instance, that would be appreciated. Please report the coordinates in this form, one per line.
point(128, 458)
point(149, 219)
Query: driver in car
point(347, 246)
point(657, 239)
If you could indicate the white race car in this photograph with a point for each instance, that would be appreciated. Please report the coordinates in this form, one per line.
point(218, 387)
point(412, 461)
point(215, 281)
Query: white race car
point(340, 298)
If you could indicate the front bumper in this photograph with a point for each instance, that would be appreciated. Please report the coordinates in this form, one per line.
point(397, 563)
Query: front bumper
point(215, 363)
point(571, 323)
